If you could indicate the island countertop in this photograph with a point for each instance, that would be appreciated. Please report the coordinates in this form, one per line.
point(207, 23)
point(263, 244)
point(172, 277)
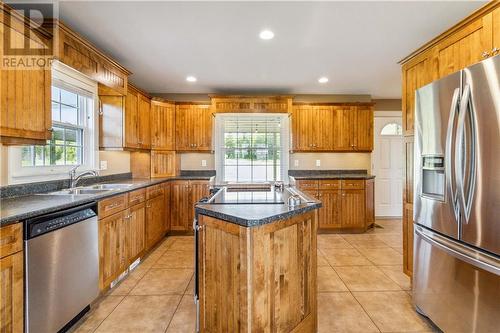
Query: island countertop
point(250, 209)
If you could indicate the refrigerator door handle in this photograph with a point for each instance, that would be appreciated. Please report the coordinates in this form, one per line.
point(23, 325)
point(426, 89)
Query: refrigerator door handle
point(465, 154)
point(461, 252)
point(450, 154)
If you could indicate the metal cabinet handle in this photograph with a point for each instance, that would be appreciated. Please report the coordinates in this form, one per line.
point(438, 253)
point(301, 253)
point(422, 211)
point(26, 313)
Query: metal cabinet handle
point(485, 54)
point(116, 204)
point(495, 50)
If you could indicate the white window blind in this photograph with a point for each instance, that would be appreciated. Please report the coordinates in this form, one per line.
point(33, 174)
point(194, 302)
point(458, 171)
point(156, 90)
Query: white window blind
point(252, 147)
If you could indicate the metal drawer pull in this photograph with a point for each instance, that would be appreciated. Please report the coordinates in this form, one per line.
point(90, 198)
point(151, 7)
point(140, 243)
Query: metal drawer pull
point(114, 205)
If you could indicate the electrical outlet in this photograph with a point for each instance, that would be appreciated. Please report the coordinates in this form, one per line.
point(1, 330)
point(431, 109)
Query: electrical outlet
point(318, 163)
point(296, 163)
point(203, 163)
point(104, 165)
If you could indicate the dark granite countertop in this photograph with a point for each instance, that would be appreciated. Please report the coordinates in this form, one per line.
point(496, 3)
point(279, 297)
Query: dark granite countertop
point(255, 214)
point(22, 207)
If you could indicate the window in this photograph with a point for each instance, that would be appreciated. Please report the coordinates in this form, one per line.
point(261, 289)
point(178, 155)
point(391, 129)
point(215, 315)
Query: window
point(74, 138)
point(66, 147)
point(251, 148)
point(392, 129)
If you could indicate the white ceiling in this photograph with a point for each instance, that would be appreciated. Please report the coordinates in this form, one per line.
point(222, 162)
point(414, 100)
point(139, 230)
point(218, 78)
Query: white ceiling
point(355, 44)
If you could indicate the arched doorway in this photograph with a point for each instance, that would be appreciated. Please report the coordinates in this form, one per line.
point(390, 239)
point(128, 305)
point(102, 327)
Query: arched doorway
point(388, 166)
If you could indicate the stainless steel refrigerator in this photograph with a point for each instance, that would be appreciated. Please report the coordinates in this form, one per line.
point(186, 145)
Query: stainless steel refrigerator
point(456, 272)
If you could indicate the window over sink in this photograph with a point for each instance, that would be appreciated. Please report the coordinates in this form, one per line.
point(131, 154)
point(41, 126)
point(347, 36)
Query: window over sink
point(251, 147)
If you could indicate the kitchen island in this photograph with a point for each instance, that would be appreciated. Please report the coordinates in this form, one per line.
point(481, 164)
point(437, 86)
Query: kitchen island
point(256, 262)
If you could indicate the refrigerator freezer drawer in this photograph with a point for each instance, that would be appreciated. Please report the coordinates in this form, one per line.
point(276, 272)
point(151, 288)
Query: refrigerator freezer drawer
point(458, 288)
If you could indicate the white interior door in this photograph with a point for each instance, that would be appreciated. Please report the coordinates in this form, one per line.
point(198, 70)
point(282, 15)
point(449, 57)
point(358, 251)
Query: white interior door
point(388, 166)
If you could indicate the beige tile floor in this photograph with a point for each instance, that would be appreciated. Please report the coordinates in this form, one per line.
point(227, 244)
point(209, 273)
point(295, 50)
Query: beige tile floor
point(361, 288)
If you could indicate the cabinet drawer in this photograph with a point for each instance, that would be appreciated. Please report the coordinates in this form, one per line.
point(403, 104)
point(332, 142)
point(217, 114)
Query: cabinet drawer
point(353, 184)
point(307, 184)
point(329, 184)
point(154, 191)
point(11, 239)
point(113, 205)
point(136, 197)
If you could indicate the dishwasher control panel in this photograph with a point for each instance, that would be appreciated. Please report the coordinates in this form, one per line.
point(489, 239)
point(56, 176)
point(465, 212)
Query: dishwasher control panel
point(51, 222)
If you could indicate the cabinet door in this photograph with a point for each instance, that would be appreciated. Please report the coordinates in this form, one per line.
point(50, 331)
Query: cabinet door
point(329, 214)
point(202, 134)
point(183, 127)
point(131, 120)
point(135, 231)
point(155, 213)
point(495, 31)
point(416, 74)
point(363, 133)
point(353, 209)
point(322, 132)
point(144, 132)
point(111, 116)
point(304, 127)
point(163, 163)
point(25, 93)
point(166, 216)
point(408, 239)
point(162, 125)
point(112, 250)
point(343, 127)
point(11, 295)
point(199, 189)
point(180, 206)
point(465, 47)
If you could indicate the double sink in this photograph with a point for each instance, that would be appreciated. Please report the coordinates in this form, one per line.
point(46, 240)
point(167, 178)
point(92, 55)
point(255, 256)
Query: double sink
point(91, 189)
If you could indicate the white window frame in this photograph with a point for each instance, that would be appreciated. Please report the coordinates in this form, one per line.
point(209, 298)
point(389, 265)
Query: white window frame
point(63, 76)
point(219, 142)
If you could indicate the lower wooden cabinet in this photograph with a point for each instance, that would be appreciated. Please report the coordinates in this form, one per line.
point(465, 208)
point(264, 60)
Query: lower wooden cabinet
point(11, 293)
point(184, 195)
point(347, 204)
point(112, 248)
point(135, 231)
point(155, 220)
point(408, 239)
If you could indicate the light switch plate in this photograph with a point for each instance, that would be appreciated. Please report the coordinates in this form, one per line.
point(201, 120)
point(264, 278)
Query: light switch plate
point(104, 165)
point(296, 163)
point(318, 163)
point(203, 163)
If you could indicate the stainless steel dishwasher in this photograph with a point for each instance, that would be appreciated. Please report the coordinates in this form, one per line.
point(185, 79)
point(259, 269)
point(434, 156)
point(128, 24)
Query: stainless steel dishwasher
point(62, 268)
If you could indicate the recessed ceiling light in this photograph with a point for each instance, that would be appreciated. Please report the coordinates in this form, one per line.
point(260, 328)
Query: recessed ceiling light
point(191, 79)
point(323, 79)
point(266, 34)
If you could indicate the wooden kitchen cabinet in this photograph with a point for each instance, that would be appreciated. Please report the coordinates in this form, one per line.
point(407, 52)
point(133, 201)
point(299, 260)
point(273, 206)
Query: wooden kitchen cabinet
point(495, 19)
point(312, 126)
point(330, 214)
point(167, 205)
point(112, 248)
point(131, 119)
point(12, 279)
point(353, 209)
point(193, 127)
point(162, 125)
point(408, 239)
point(135, 231)
point(26, 115)
point(155, 220)
point(180, 205)
point(353, 128)
point(164, 163)
point(143, 122)
point(251, 104)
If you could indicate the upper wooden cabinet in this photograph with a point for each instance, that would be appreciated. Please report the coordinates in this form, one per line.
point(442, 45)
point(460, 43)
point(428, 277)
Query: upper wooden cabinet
point(162, 125)
point(75, 51)
point(193, 127)
point(143, 123)
point(311, 128)
point(25, 109)
point(495, 19)
point(353, 128)
point(249, 104)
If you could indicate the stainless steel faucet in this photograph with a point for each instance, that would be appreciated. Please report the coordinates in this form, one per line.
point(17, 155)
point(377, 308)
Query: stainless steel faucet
point(74, 179)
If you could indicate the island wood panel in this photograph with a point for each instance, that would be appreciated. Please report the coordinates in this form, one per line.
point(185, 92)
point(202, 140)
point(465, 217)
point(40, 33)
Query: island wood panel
point(112, 249)
point(260, 279)
point(180, 206)
point(155, 220)
point(12, 293)
point(135, 231)
point(162, 125)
